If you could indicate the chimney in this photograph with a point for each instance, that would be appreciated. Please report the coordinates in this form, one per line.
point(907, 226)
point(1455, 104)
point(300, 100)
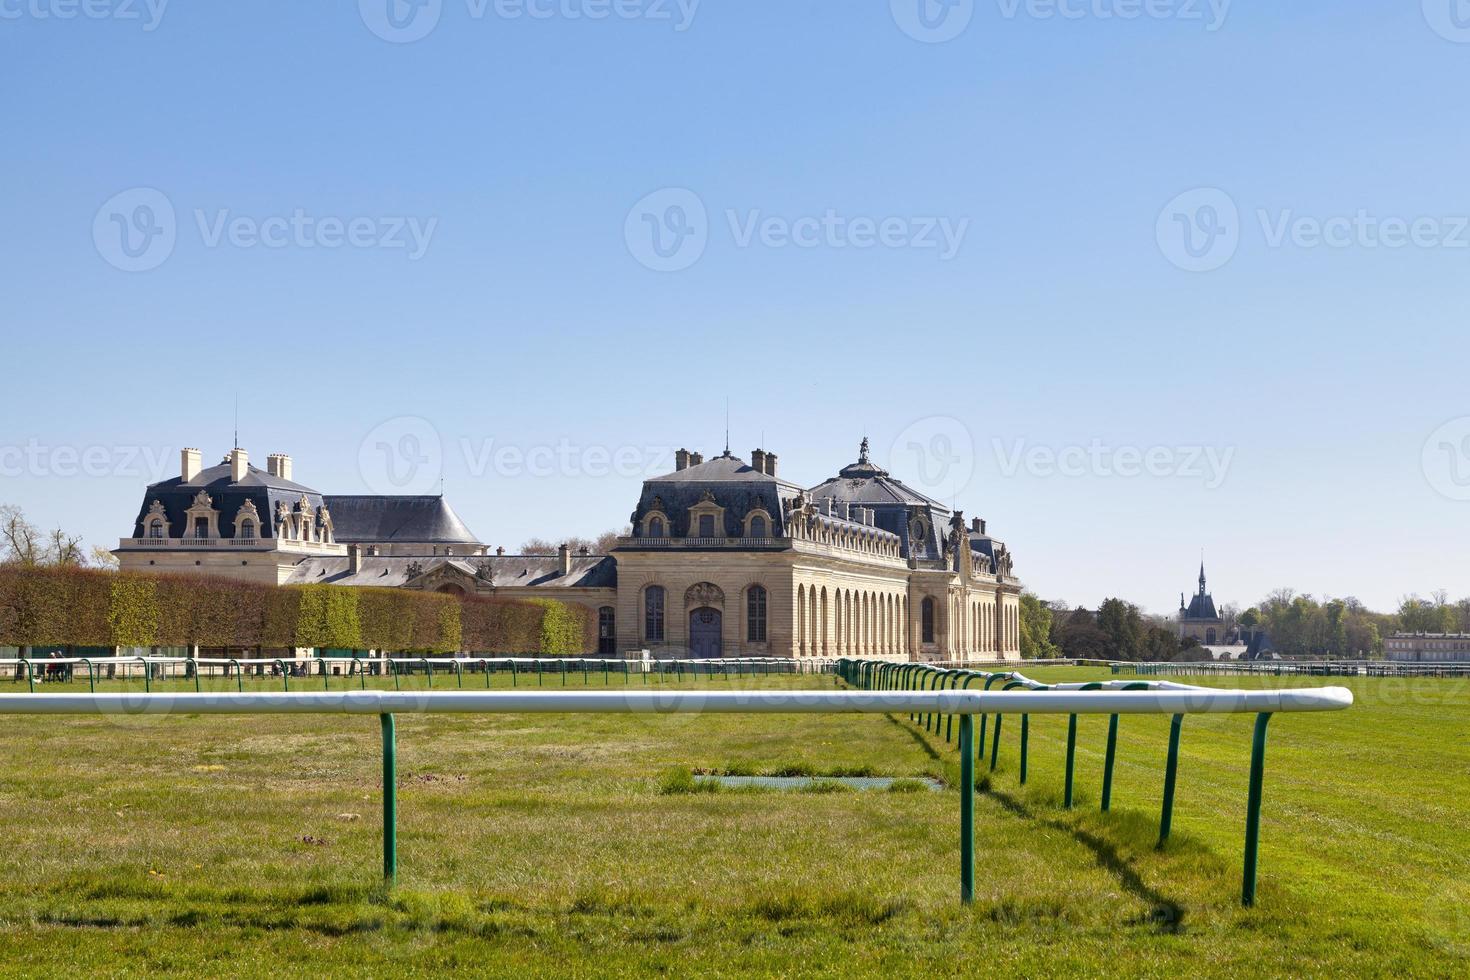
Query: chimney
point(696, 458)
point(354, 558)
point(827, 506)
point(770, 464)
point(758, 460)
point(239, 464)
point(847, 510)
point(189, 464)
point(564, 556)
point(279, 464)
point(681, 459)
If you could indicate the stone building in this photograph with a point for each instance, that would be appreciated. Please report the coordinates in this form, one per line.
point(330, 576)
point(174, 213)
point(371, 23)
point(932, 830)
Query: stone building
point(724, 558)
point(1199, 619)
point(1428, 647)
point(237, 520)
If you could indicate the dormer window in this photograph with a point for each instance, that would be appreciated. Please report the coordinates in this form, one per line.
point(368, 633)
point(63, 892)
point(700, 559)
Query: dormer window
point(758, 527)
point(201, 528)
point(155, 529)
point(247, 530)
point(156, 522)
point(707, 518)
point(657, 528)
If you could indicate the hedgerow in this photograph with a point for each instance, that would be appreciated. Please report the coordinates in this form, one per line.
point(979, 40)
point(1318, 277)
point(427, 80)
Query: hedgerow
point(81, 607)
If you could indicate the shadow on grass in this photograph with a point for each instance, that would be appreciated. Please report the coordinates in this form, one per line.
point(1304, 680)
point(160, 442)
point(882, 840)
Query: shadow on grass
point(1165, 914)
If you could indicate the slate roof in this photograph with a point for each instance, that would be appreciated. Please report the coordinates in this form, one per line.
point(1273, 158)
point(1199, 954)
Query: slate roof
point(1201, 607)
point(258, 486)
point(507, 571)
point(735, 485)
point(426, 519)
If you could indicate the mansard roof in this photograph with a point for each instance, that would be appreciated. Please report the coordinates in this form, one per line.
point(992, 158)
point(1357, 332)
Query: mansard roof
point(258, 486)
point(731, 482)
point(423, 519)
point(868, 484)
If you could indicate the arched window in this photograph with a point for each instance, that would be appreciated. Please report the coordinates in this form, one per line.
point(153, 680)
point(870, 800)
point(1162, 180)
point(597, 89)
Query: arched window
point(653, 614)
point(755, 614)
point(247, 530)
point(657, 528)
point(758, 527)
point(926, 613)
point(155, 529)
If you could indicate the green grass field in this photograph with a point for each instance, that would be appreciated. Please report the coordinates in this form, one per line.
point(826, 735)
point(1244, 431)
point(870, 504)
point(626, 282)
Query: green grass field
point(540, 845)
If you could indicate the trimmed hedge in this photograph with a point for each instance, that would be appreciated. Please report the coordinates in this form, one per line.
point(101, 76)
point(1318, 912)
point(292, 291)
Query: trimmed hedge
point(80, 607)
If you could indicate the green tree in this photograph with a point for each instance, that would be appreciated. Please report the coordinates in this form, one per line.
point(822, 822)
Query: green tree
point(1036, 623)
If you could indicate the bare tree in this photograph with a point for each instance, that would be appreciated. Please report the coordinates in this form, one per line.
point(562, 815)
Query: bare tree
point(64, 549)
point(600, 545)
point(104, 559)
point(20, 540)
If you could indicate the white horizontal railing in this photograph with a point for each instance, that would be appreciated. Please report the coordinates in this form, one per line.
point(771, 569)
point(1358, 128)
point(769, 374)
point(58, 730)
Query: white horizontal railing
point(1168, 701)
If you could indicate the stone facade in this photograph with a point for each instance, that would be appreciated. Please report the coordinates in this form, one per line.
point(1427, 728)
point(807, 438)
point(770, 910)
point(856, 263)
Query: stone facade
point(1199, 619)
point(724, 558)
point(1439, 648)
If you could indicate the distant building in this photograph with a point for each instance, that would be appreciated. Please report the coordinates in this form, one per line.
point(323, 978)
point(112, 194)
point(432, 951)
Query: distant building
point(240, 521)
point(1428, 647)
point(724, 558)
point(1198, 618)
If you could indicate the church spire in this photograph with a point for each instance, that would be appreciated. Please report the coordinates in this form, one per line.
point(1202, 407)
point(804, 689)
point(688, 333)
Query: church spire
point(1201, 577)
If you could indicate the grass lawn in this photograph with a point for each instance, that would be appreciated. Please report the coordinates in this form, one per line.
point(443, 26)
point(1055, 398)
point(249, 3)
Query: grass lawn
point(541, 845)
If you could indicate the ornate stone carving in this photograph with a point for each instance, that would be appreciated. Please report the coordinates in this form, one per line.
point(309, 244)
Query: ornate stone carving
point(415, 569)
point(704, 594)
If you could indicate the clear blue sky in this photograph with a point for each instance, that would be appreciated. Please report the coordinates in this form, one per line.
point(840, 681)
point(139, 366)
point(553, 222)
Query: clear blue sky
point(523, 145)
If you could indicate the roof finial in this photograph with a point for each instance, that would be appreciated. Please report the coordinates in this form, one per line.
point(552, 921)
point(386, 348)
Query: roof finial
point(237, 420)
point(727, 425)
point(863, 451)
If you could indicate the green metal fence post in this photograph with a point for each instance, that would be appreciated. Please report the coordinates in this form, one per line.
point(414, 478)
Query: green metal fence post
point(390, 802)
point(1253, 811)
point(1108, 758)
point(1025, 738)
point(1171, 770)
point(995, 742)
point(967, 809)
point(1071, 760)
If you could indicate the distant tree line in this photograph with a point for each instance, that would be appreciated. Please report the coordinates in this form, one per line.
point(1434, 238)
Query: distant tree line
point(1298, 626)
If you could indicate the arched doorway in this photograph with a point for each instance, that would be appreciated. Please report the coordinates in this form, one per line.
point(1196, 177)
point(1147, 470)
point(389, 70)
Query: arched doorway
point(704, 633)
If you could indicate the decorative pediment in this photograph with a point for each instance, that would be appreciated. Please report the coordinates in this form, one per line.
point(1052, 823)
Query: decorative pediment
point(704, 594)
point(203, 500)
point(155, 509)
point(247, 511)
point(415, 569)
